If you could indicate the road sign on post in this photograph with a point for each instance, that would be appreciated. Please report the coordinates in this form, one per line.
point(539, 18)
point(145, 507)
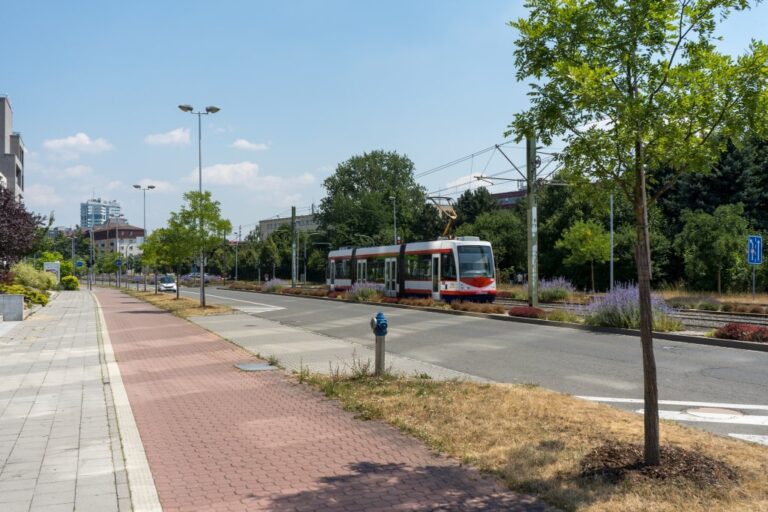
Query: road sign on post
point(755, 250)
point(754, 255)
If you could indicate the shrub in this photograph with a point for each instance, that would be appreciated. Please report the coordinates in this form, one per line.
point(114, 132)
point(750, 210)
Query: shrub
point(70, 283)
point(527, 312)
point(563, 315)
point(757, 309)
point(552, 290)
point(621, 308)
point(390, 300)
point(423, 302)
point(31, 295)
point(243, 285)
point(291, 291)
point(365, 292)
point(736, 331)
point(760, 335)
point(478, 307)
point(729, 306)
point(274, 285)
point(27, 275)
point(708, 305)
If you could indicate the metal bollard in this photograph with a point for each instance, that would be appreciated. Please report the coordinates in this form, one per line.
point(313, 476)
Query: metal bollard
point(379, 327)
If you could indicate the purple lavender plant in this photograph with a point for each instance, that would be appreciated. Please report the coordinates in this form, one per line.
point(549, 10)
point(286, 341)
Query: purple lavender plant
point(552, 290)
point(621, 308)
point(273, 285)
point(365, 292)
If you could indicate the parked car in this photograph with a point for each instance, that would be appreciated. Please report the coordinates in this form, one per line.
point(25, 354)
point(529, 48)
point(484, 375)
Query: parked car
point(166, 284)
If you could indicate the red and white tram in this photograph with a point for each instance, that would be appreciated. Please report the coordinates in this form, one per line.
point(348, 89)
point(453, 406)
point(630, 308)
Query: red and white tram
point(443, 269)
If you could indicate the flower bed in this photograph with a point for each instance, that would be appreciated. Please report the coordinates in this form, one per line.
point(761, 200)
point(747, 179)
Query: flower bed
point(621, 308)
point(743, 332)
point(527, 312)
point(478, 307)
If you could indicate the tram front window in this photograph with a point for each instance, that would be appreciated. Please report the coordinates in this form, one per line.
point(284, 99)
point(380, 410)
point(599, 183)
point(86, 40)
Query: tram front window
point(475, 261)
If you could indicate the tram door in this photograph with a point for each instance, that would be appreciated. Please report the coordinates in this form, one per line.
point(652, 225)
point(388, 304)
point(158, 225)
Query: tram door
point(436, 277)
point(362, 271)
point(332, 273)
point(390, 277)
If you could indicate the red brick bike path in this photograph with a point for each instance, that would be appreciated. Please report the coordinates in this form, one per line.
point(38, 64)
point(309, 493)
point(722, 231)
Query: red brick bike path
point(218, 438)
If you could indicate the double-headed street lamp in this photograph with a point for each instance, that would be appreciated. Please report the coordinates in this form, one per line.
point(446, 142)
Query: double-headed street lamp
point(144, 191)
point(208, 110)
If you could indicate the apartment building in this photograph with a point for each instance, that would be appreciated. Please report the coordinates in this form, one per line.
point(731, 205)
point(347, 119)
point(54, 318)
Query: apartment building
point(12, 152)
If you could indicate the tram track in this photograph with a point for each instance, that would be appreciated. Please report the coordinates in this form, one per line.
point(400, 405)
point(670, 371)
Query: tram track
point(691, 319)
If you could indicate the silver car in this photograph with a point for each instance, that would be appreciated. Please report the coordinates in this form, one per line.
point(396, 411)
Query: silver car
point(166, 284)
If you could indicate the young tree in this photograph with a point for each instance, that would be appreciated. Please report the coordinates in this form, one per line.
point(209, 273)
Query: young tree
point(169, 248)
point(200, 220)
point(472, 203)
point(633, 87)
point(586, 242)
point(17, 230)
point(712, 243)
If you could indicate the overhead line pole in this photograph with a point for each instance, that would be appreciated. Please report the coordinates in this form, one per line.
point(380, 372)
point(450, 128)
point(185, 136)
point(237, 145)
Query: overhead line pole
point(293, 247)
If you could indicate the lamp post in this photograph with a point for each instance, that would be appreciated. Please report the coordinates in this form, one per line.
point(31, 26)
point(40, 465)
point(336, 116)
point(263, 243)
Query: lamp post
point(208, 110)
point(144, 191)
point(394, 216)
point(239, 232)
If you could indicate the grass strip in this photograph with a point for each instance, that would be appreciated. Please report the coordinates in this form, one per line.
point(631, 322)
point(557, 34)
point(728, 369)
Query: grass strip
point(536, 441)
point(181, 307)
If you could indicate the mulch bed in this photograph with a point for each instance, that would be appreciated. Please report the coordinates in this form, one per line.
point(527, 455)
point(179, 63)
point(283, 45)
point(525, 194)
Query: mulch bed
point(616, 462)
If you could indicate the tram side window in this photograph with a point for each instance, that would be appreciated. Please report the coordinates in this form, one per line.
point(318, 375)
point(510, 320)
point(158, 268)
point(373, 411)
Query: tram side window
point(448, 266)
point(419, 267)
point(376, 270)
point(342, 269)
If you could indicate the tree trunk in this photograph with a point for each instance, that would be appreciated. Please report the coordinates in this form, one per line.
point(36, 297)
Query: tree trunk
point(719, 290)
point(178, 285)
point(643, 260)
point(592, 268)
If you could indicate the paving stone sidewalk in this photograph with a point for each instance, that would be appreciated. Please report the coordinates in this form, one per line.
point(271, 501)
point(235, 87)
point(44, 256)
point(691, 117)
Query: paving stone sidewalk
point(221, 439)
point(59, 444)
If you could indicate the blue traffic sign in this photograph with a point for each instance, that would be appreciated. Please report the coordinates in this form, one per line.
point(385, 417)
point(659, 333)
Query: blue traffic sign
point(755, 250)
point(79, 263)
point(119, 263)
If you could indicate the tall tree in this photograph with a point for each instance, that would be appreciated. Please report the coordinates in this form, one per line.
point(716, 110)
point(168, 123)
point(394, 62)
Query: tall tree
point(169, 249)
point(200, 219)
point(505, 230)
point(17, 230)
point(712, 243)
point(586, 242)
point(472, 203)
point(357, 200)
point(632, 87)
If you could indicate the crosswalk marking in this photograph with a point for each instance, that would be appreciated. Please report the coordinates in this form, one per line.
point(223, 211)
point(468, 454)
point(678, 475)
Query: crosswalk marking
point(743, 407)
point(733, 419)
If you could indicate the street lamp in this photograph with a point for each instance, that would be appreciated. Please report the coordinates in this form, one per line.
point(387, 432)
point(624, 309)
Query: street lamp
point(208, 110)
point(394, 216)
point(144, 190)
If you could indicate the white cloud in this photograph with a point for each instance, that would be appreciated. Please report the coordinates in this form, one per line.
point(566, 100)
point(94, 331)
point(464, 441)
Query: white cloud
point(41, 196)
point(468, 182)
point(114, 185)
point(160, 186)
point(177, 137)
point(249, 146)
point(246, 175)
point(76, 171)
point(71, 147)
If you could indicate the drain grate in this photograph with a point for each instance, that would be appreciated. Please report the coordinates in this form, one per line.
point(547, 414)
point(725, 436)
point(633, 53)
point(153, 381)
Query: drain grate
point(255, 367)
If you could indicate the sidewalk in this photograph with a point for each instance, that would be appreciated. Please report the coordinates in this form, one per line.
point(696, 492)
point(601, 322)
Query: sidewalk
point(59, 444)
point(217, 438)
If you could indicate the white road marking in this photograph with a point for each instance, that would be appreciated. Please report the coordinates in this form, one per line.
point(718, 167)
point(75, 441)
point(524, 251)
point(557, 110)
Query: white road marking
point(713, 418)
point(744, 407)
point(751, 438)
point(268, 306)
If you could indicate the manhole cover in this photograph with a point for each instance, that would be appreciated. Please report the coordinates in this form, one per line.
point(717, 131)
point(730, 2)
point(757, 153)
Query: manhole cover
point(713, 412)
point(254, 367)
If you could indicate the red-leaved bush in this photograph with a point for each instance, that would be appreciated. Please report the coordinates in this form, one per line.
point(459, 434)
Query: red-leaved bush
point(743, 332)
point(390, 300)
point(527, 312)
point(335, 294)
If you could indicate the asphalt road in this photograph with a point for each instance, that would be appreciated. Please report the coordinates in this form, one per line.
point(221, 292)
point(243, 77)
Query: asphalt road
point(567, 360)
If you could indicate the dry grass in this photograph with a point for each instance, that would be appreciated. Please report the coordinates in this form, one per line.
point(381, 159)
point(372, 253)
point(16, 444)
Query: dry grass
point(741, 298)
point(535, 439)
point(181, 307)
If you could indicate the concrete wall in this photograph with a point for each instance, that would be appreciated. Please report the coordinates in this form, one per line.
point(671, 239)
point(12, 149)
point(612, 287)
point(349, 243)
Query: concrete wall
point(12, 307)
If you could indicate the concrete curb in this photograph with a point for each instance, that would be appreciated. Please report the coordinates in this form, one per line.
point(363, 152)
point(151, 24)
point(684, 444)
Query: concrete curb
point(141, 484)
point(683, 338)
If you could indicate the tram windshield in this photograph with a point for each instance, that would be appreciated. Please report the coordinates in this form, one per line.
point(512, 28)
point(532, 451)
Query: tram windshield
point(475, 261)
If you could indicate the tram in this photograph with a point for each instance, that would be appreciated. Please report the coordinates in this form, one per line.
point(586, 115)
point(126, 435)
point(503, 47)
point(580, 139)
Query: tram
point(461, 268)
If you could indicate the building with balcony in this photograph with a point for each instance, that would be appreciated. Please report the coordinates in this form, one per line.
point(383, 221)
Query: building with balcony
point(96, 212)
point(116, 235)
point(12, 152)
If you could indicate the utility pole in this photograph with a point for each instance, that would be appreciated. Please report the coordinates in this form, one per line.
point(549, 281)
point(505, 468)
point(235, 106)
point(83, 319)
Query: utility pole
point(533, 235)
point(239, 231)
point(611, 277)
point(293, 247)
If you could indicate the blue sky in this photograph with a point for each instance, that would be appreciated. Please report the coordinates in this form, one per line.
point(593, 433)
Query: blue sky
point(301, 85)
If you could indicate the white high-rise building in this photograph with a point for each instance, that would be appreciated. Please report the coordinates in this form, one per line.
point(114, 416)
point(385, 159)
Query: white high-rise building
point(96, 212)
point(11, 153)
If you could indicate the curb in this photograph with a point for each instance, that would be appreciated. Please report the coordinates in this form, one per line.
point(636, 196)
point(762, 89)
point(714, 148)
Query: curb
point(683, 338)
point(140, 481)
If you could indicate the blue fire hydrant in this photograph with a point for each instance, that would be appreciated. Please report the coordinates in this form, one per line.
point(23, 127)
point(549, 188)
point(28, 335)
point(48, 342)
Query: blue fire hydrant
point(379, 326)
